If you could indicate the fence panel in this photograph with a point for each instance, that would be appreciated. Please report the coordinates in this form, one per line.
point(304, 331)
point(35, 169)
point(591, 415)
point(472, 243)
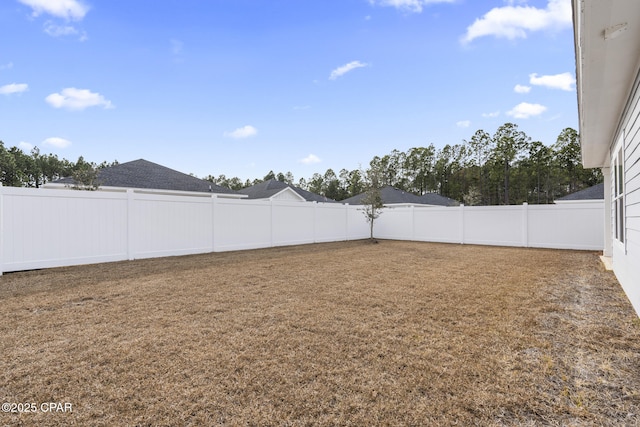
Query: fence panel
point(293, 223)
point(437, 225)
point(331, 222)
point(395, 223)
point(171, 225)
point(493, 225)
point(241, 224)
point(576, 225)
point(42, 228)
point(54, 228)
point(358, 227)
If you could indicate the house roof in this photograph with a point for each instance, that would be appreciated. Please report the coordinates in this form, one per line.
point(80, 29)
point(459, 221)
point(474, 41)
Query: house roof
point(595, 192)
point(607, 42)
point(271, 187)
point(148, 175)
point(436, 199)
point(393, 196)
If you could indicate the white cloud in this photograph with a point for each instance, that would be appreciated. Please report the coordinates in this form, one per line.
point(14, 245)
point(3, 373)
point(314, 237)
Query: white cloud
point(6, 66)
point(311, 159)
point(66, 9)
point(55, 30)
point(408, 5)
point(522, 89)
point(564, 81)
point(243, 132)
point(513, 22)
point(59, 30)
point(340, 71)
point(524, 110)
point(463, 123)
point(56, 142)
point(13, 88)
point(491, 115)
point(176, 46)
point(77, 99)
point(25, 146)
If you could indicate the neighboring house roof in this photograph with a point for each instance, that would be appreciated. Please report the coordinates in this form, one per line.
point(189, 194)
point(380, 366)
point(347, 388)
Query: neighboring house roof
point(436, 199)
point(393, 196)
point(144, 174)
point(595, 192)
point(271, 188)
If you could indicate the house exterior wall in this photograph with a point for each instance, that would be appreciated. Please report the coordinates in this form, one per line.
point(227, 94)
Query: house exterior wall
point(626, 255)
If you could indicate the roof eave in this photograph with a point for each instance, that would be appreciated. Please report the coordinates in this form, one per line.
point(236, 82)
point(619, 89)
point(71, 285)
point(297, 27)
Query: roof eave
point(606, 44)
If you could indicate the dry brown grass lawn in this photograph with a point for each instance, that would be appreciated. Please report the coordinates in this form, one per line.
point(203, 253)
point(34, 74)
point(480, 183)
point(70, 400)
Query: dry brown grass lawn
point(350, 333)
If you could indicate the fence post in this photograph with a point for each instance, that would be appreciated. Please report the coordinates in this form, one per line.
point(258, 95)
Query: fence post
point(214, 206)
point(272, 220)
point(462, 223)
point(1, 230)
point(315, 222)
point(413, 223)
point(525, 224)
point(346, 221)
point(130, 222)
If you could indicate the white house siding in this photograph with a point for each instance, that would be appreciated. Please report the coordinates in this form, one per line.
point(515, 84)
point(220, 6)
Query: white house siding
point(288, 195)
point(626, 256)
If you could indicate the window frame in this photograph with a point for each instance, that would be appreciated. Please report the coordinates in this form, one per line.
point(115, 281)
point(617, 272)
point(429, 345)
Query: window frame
point(618, 194)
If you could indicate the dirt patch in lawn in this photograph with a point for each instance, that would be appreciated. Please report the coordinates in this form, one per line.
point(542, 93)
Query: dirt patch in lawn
point(353, 333)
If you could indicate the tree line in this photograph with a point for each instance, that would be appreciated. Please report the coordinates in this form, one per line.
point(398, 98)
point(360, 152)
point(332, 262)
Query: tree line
point(18, 169)
point(504, 168)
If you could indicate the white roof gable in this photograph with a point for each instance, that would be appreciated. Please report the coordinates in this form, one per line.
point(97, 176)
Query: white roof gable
point(287, 194)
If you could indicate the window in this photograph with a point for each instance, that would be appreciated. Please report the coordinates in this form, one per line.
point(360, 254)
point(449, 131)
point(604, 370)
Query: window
point(618, 194)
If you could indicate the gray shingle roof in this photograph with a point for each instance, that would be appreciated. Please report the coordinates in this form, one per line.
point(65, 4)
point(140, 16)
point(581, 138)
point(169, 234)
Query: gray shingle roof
point(595, 192)
point(148, 175)
point(436, 199)
point(391, 195)
point(270, 188)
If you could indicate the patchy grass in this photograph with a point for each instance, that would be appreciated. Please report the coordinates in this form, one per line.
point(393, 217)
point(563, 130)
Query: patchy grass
point(397, 333)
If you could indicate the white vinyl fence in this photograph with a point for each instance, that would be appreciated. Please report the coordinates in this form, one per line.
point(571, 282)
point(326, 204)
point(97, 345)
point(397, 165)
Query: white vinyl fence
point(41, 228)
point(576, 225)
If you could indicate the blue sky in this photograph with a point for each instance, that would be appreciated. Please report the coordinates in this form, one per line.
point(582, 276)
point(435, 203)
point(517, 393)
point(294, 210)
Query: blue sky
point(241, 87)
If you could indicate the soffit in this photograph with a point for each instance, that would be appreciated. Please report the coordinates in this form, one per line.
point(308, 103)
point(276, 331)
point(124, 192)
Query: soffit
point(607, 41)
